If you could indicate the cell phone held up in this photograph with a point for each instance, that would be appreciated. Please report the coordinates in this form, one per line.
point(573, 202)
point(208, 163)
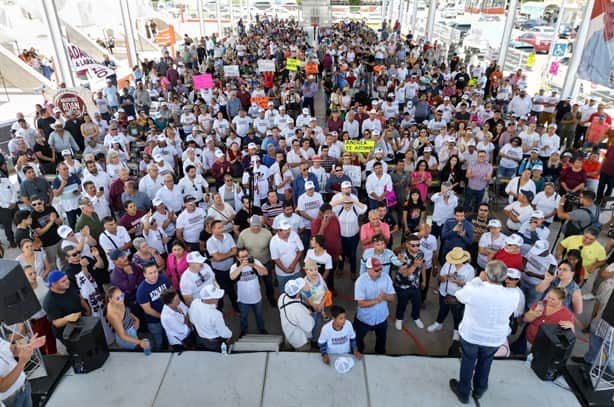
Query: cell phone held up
point(553, 270)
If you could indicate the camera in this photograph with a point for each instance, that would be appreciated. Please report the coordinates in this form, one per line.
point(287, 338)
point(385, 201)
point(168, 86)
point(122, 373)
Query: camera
point(420, 255)
point(250, 260)
point(572, 201)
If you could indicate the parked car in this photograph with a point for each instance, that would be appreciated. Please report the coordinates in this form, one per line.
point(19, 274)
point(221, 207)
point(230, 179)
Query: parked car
point(522, 46)
point(540, 41)
point(566, 31)
point(464, 28)
point(528, 24)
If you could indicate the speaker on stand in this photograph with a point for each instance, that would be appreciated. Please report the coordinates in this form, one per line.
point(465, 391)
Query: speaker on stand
point(86, 344)
point(594, 385)
point(17, 305)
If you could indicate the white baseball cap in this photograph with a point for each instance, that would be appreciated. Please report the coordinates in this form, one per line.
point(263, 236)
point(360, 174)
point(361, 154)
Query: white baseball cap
point(539, 247)
point(305, 110)
point(494, 223)
point(514, 240)
point(66, 152)
point(210, 292)
point(251, 145)
point(513, 273)
point(195, 257)
point(285, 225)
point(346, 184)
point(309, 185)
point(295, 286)
point(219, 153)
point(64, 231)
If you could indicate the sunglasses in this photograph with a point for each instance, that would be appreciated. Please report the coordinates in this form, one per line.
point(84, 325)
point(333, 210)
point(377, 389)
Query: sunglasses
point(414, 245)
point(37, 204)
point(513, 279)
point(75, 254)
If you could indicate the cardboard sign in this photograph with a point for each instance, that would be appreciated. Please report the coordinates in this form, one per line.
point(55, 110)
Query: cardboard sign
point(231, 71)
point(266, 65)
point(293, 64)
point(554, 68)
point(530, 60)
point(204, 81)
point(262, 101)
point(74, 100)
point(359, 146)
point(354, 173)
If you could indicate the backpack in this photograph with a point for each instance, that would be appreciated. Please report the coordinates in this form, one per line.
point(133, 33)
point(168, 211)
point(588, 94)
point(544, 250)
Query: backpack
point(574, 228)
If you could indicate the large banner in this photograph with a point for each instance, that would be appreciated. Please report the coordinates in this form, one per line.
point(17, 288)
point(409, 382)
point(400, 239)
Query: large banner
point(597, 63)
point(81, 62)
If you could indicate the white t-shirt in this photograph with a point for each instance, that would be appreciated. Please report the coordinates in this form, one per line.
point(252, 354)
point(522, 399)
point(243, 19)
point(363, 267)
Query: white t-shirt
point(465, 274)
point(428, 245)
point(324, 259)
point(546, 204)
point(7, 364)
point(310, 205)
point(337, 342)
point(191, 283)
point(522, 212)
point(174, 324)
point(248, 284)
point(191, 224)
point(511, 151)
point(487, 241)
point(285, 251)
point(512, 187)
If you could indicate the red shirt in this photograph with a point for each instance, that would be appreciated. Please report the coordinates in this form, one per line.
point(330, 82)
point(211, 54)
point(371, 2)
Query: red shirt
point(571, 178)
point(510, 260)
point(561, 315)
point(332, 235)
point(591, 166)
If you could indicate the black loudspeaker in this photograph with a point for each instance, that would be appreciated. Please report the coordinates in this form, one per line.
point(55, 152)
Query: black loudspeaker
point(608, 311)
point(86, 344)
point(551, 349)
point(17, 299)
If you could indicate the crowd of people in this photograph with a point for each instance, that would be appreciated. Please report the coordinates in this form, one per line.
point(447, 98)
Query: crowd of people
point(169, 201)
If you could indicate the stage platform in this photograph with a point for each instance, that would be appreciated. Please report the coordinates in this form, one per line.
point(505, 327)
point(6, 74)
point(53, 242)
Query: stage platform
point(292, 379)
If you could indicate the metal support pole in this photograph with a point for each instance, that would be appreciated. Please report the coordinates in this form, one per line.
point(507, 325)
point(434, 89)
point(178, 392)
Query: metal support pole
point(507, 31)
point(557, 27)
point(201, 23)
point(430, 23)
point(133, 58)
point(570, 78)
point(414, 16)
point(218, 13)
point(232, 16)
point(50, 15)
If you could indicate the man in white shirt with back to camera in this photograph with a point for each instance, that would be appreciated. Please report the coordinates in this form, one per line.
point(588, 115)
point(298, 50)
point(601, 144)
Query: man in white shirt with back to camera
point(484, 328)
point(175, 321)
point(208, 321)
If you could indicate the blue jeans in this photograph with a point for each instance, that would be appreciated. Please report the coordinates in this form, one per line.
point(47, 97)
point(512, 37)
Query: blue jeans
point(317, 319)
point(348, 247)
point(594, 346)
point(504, 172)
point(125, 344)
point(473, 199)
point(244, 310)
point(157, 335)
point(475, 364)
point(22, 398)
point(282, 280)
point(530, 294)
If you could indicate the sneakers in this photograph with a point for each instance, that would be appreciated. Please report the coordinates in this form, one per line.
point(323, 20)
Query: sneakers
point(419, 323)
point(434, 327)
point(398, 324)
point(455, 336)
point(588, 297)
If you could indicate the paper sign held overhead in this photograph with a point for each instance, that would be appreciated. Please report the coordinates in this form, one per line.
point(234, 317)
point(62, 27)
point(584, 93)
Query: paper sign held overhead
point(231, 71)
point(266, 65)
point(204, 81)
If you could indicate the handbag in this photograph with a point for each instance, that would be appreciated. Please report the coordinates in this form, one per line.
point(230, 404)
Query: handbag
point(328, 298)
point(391, 197)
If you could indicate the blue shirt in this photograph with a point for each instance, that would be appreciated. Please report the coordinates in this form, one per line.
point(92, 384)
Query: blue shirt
point(387, 258)
point(366, 288)
point(450, 239)
point(298, 186)
point(151, 293)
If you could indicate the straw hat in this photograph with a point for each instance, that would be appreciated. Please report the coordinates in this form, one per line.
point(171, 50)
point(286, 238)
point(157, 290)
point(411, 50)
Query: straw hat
point(458, 256)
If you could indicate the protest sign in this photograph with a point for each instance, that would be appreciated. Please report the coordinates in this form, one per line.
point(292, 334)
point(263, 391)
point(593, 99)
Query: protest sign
point(231, 71)
point(266, 65)
point(204, 81)
point(359, 146)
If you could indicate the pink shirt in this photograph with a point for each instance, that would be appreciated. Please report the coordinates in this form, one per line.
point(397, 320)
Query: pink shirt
point(174, 269)
point(367, 233)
